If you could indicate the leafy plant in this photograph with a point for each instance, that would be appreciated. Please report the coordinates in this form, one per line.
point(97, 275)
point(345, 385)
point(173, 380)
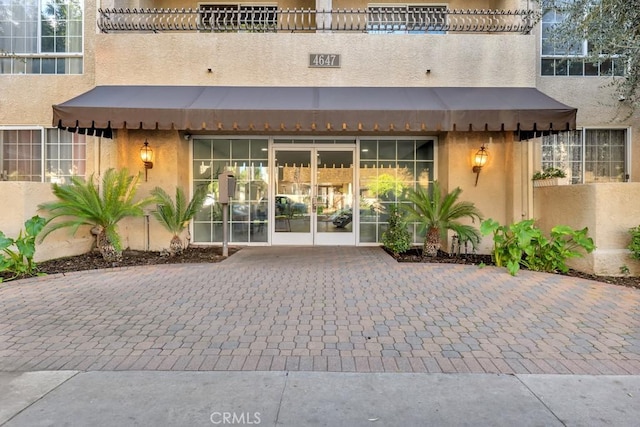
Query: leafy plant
point(624, 270)
point(175, 215)
point(396, 237)
point(523, 244)
point(549, 173)
point(17, 254)
point(634, 246)
point(437, 212)
point(83, 203)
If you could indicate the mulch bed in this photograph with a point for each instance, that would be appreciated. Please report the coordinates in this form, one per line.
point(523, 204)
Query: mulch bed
point(415, 255)
point(93, 261)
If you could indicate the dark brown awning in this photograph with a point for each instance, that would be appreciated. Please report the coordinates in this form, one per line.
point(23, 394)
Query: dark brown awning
point(307, 109)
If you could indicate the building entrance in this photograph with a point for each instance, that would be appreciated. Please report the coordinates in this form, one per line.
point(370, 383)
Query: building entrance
point(313, 196)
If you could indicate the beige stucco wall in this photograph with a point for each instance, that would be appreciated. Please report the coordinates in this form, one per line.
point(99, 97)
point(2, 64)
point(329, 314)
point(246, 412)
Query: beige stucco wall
point(500, 193)
point(609, 210)
point(282, 59)
point(171, 168)
point(21, 200)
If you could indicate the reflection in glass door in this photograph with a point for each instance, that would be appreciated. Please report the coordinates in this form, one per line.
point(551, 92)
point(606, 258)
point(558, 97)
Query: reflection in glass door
point(313, 196)
point(334, 197)
point(292, 199)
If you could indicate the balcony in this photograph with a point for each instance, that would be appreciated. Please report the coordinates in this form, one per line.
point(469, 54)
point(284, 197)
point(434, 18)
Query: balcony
point(261, 19)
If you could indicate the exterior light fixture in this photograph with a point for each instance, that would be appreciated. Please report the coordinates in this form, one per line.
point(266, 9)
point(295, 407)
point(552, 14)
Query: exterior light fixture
point(479, 160)
point(146, 155)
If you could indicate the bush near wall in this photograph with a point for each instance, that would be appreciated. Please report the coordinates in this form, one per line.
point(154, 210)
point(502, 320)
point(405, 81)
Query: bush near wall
point(522, 244)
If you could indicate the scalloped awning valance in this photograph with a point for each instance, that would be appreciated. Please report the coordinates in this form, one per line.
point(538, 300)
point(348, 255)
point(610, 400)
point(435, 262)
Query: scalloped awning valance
point(231, 109)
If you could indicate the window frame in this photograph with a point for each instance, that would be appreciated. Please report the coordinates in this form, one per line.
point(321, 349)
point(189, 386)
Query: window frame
point(44, 145)
point(26, 62)
point(583, 160)
point(40, 129)
point(571, 62)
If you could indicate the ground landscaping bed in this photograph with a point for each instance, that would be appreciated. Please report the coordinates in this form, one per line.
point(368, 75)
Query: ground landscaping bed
point(415, 255)
point(93, 261)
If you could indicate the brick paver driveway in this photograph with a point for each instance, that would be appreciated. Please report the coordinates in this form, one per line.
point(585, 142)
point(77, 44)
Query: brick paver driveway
point(324, 309)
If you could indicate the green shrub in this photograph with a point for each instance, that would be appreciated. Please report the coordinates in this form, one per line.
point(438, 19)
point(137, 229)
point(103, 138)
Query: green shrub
point(16, 255)
point(100, 206)
point(436, 212)
point(396, 238)
point(523, 244)
point(175, 214)
point(634, 246)
point(549, 173)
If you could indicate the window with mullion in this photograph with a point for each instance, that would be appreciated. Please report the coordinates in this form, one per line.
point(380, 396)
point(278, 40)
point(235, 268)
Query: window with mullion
point(65, 156)
point(41, 28)
point(588, 155)
point(21, 155)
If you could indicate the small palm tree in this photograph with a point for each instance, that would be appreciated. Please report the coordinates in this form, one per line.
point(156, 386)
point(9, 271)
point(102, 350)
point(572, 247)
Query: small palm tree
point(83, 203)
point(175, 216)
point(436, 213)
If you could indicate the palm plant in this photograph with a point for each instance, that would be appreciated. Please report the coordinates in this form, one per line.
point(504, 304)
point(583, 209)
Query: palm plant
point(175, 216)
point(84, 203)
point(436, 213)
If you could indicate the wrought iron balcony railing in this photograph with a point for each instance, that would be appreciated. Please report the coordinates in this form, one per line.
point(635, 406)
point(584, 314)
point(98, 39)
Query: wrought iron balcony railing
point(404, 19)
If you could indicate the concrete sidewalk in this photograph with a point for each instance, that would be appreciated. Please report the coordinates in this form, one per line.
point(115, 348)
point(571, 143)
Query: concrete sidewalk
point(315, 399)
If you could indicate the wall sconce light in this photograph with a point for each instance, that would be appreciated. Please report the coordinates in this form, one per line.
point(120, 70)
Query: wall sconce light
point(479, 160)
point(146, 155)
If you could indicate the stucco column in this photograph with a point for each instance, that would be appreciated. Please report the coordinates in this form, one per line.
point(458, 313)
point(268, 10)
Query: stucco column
point(323, 19)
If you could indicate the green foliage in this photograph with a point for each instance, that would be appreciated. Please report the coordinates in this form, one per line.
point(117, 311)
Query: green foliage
point(549, 173)
point(17, 254)
point(84, 203)
point(523, 244)
point(396, 238)
point(385, 185)
point(611, 28)
point(437, 212)
point(175, 215)
point(634, 246)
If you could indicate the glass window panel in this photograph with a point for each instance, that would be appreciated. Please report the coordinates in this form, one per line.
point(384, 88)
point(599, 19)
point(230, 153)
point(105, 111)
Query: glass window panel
point(248, 212)
point(368, 233)
point(368, 149)
point(424, 150)
point(606, 68)
point(201, 149)
point(548, 67)
point(619, 67)
point(406, 150)
point(258, 231)
point(240, 149)
point(424, 173)
point(32, 27)
point(561, 67)
point(406, 172)
point(239, 233)
point(387, 150)
point(202, 232)
point(259, 149)
point(221, 149)
point(591, 69)
point(576, 67)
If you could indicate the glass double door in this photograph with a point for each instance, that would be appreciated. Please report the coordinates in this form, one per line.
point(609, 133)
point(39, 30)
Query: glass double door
point(312, 196)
